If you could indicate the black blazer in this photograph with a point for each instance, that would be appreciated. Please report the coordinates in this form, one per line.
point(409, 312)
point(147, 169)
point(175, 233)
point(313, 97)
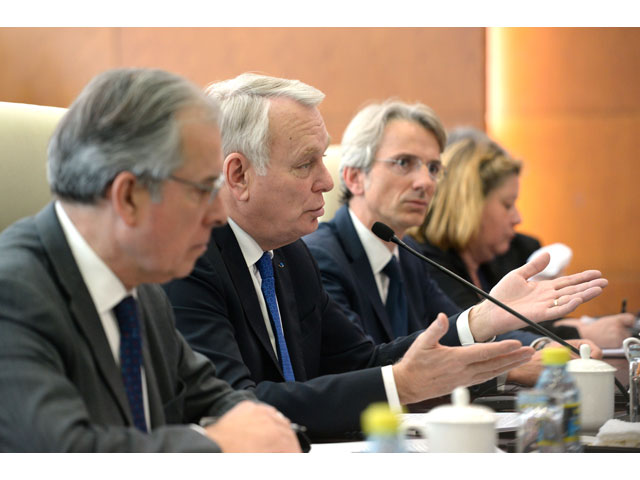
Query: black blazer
point(60, 388)
point(490, 274)
point(347, 276)
point(336, 365)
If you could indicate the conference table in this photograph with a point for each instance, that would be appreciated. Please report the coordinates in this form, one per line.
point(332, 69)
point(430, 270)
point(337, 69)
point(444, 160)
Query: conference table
point(504, 404)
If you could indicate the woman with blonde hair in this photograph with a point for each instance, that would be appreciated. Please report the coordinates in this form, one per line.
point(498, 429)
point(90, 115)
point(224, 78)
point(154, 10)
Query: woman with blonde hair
point(471, 223)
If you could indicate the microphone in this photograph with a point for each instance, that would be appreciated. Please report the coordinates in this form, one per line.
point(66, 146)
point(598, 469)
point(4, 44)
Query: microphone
point(387, 234)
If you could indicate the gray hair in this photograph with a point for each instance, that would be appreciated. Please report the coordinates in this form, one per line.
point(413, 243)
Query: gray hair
point(123, 120)
point(362, 137)
point(244, 102)
point(466, 132)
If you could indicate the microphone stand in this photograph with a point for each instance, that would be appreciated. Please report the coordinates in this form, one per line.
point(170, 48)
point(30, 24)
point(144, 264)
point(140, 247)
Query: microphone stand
point(393, 238)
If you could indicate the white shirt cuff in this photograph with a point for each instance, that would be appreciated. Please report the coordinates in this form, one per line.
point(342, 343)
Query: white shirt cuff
point(390, 388)
point(198, 429)
point(464, 332)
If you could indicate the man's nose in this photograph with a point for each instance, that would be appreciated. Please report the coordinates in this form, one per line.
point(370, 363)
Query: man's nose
point(216, 214)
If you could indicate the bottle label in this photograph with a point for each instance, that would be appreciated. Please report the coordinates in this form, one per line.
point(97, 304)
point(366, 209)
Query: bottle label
point(571, 422)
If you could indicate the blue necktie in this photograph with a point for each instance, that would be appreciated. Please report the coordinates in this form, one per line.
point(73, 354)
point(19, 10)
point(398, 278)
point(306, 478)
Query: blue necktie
point(396, 304)
point(131, 357)
point(268, 287)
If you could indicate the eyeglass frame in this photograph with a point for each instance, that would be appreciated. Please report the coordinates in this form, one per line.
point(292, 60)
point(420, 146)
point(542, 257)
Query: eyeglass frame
point(211, 188)
point(417, 162)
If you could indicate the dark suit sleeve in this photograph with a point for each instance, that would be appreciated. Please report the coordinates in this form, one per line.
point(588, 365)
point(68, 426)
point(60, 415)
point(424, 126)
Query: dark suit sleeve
point(41, 409)
point(336, 366)
point(198, 392)
point(426, 298)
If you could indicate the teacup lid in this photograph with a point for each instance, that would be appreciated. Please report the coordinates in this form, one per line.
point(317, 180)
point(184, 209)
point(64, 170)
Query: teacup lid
point(461, 411)
point(587, 364)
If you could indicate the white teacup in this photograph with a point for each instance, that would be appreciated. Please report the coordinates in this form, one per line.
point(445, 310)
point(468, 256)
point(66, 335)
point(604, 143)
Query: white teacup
point(461, 427)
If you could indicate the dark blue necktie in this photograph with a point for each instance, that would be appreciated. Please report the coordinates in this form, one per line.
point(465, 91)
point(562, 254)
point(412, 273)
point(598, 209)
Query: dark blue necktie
point(131, 357)
point(268, 287)
point(396, 304)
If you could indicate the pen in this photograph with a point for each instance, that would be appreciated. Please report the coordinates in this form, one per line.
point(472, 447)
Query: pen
point(298, 428)
point(623, 309)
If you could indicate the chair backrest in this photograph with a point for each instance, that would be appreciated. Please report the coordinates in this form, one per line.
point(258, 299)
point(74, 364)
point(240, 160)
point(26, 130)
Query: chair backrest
point(24, 135)
point(25, 131)
point(332, 198)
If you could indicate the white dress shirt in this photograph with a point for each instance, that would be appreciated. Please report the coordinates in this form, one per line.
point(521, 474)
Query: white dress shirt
point(252, 252)
point(105, 289)
point(379, 255)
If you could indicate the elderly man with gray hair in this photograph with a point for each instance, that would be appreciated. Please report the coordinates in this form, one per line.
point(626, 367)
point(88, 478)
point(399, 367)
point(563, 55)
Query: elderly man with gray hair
point(255, 303)
point(90, 360)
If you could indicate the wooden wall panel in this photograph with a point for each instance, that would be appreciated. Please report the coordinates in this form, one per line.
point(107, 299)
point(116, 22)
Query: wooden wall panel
point(49, 66)
point(443, 67)
point(569, 106)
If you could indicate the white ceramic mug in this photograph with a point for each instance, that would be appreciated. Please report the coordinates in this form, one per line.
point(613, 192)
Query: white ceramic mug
point(595, 381)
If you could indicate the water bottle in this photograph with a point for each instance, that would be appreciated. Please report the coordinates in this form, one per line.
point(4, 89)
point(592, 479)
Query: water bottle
point(561, 391)
point(382, 429)
point(541, 426)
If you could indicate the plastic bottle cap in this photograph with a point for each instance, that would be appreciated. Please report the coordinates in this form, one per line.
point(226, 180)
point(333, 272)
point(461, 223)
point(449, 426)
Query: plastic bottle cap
point(378, 418)
point(555, 355)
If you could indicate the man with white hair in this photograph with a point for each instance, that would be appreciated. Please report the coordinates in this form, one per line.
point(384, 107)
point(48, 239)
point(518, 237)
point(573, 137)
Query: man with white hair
point(255, 303)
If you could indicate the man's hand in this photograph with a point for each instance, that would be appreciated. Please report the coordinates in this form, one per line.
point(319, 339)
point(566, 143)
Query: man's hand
point(430, 370)
point(528, 373)
point(537, 301)
point(253, 428)
point(607, 332)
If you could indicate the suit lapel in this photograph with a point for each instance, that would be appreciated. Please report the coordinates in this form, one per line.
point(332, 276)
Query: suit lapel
point(82, 308)
point(243, 285)
point(156, 409)
point(354, 250)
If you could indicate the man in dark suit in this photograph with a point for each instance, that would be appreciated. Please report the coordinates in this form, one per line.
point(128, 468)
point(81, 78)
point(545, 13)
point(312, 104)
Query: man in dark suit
point(90, 360)
point(390, 167)
point(385, 147)
point(255, 304)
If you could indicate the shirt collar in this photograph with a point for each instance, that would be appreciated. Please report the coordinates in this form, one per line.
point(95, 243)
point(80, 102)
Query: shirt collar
point(250, 249)
point(104, 286)
point(377, 252)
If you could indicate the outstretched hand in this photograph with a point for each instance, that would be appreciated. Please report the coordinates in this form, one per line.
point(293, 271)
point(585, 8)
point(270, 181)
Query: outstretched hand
point(430, 370)
point(536, 300)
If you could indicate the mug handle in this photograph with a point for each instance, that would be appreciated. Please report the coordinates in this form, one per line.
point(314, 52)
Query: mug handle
point(626, 343)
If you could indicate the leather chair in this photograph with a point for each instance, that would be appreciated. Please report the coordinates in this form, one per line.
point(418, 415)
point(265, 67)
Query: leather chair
point(332, 198)
point(24, 135)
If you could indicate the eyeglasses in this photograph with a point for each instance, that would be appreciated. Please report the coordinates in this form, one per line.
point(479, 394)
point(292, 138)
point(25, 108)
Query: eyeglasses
point(210, 188)
point(406, 164)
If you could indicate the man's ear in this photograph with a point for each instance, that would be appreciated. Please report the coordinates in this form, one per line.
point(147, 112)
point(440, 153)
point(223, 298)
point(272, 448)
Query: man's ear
point(128, 197)
point(354, 180)
point(238, 174)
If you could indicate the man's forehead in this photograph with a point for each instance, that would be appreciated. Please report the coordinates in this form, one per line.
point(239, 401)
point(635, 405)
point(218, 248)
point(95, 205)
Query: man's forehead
point(400, 134)
point(289, 119)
